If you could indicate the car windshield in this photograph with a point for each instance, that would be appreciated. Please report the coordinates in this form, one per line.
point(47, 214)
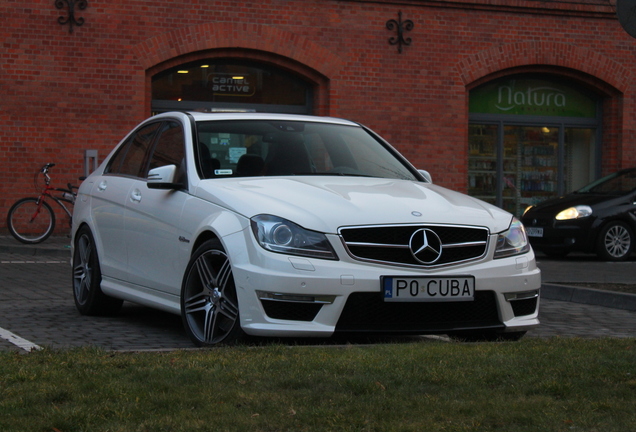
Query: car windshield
point(243, 148)
point(614, 184)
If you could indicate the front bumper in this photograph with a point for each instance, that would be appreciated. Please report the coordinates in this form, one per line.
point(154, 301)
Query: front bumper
point(281, 295)
point(561, 236)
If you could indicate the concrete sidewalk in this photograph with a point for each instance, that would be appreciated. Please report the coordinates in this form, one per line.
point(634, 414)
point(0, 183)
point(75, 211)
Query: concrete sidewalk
point(53, 246)
point(558, 275)
point(583, 268)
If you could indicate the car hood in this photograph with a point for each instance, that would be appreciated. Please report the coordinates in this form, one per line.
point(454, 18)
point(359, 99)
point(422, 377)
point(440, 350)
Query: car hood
point(326, 203)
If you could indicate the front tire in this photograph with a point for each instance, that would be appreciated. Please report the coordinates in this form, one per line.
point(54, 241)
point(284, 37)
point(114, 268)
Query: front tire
point(615, 242)
point(209, 304)
point(87, 278)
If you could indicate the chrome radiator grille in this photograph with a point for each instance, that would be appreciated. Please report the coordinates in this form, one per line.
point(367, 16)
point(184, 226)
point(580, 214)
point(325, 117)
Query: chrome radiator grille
point(415, 245)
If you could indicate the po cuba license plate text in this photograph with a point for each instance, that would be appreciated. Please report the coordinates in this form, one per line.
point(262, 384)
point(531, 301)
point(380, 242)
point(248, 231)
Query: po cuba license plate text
point(422, 289)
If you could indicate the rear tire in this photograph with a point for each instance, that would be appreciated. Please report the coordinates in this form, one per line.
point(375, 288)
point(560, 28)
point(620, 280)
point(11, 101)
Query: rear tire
point(615, 242)
point(87, 278)
point(30, 221)
point(209, 304)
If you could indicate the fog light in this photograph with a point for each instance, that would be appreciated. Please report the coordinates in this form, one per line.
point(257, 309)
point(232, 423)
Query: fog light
point(295, 298)
point(524, 295)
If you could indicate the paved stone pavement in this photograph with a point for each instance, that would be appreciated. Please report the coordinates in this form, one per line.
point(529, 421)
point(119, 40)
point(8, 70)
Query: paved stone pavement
point(36, 306)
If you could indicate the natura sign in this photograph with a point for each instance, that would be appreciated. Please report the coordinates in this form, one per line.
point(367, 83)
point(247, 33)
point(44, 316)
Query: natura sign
point(531, 97)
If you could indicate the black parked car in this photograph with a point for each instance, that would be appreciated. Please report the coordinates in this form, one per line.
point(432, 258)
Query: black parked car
point(599, 218)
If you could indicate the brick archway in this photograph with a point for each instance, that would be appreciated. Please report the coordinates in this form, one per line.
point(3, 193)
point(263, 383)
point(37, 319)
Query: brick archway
point(262, 43)
point(590, 69)
point(473, 68)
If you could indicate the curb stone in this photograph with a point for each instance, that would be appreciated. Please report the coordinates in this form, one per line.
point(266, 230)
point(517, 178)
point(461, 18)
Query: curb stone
point(589, 296)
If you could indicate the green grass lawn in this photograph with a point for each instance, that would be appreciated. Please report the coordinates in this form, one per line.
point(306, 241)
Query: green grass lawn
point(531, 385)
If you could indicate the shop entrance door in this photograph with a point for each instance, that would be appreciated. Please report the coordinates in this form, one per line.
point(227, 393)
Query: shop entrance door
point(515, 165)
point(531, 137)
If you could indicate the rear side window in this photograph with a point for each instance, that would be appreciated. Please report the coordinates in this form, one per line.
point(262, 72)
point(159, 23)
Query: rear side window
point(129, 159)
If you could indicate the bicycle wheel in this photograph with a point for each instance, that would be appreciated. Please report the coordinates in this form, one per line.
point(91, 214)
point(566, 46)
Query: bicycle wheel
point(29, 221)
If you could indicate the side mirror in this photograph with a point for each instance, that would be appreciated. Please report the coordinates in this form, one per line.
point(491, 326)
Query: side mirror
point(427, 176)
point(163, 178)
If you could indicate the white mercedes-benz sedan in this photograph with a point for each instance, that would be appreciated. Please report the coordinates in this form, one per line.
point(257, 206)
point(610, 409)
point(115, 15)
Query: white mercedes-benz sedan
point(282, 225)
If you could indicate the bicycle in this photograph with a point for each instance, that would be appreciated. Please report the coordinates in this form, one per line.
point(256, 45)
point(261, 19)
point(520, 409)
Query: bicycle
point(32, 220)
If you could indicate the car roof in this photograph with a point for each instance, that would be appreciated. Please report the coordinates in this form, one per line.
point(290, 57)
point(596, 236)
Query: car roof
point(215, 116)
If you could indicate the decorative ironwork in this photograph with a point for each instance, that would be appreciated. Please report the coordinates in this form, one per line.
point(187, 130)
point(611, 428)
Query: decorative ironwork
point(400, 26)
point(71, 20)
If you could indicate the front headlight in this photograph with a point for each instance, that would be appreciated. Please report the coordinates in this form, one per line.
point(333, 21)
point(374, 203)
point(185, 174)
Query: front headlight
point(576, 212)
point(280, 235)
point(514, 241)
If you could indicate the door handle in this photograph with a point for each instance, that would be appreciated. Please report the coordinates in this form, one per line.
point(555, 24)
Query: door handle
point(135, 195)
point(102, 186)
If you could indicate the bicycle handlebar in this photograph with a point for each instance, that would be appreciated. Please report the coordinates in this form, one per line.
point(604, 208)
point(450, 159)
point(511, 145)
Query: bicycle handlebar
point(45, 170)
point(46, 167)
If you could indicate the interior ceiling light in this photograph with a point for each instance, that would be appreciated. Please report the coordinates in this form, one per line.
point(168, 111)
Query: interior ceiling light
point(183, 71)
point(205, 66)
point(238, 77)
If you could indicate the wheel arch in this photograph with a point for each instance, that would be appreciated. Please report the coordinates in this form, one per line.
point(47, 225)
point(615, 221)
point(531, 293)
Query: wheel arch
point(218, 225)
point(202, 238)
point(628, 218)
point(77, 229)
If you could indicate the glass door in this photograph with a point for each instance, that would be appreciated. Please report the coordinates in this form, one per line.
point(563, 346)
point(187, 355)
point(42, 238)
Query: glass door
point(514, 166)
point(482, 162)
point(579, 158)
point(538, 157)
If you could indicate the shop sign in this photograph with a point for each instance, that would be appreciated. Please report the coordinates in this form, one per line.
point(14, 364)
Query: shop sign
point(531, 97)
point(225, 84)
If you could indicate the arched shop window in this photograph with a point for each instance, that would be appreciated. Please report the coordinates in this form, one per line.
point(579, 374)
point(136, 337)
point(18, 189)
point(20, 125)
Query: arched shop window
point(230, 84)
point(531, 138)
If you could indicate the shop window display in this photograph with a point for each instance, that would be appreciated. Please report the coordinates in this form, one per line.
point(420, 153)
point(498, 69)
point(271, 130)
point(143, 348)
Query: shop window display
point(524, 145)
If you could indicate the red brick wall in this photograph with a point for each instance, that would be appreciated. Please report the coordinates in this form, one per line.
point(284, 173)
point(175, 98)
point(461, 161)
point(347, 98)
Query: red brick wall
point(64, 93)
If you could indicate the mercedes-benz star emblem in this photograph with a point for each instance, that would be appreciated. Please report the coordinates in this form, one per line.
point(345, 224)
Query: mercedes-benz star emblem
point(426, 246)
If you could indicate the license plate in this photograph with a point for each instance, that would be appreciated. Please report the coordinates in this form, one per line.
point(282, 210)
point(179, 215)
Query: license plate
point(428, 289)
point(534, 232)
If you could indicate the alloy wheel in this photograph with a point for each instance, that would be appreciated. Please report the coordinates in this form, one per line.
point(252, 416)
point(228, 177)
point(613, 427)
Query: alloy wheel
point(617, 241)
point(82, 269)
point(209, 301)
